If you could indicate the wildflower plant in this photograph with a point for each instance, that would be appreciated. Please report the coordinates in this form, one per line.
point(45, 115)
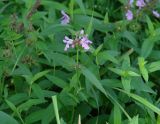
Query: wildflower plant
point(81, 40)
point(79, 62)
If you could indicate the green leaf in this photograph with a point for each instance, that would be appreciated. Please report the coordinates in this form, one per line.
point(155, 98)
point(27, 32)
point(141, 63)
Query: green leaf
point(71, 8)
point(158, 119)
point(38, 75)
point(143, 70)
point(61, 60)
point(89, 28)
point(106, 55)
point(134, 120)
point(82, 21)
point(88, 12)
point(129, 36)
point(126, 81)
point(80, 3)
point(133, 74)
point(7, 119)
point(49, 114)
point(92, 79)
point(11, 105)
point(38, 91)
point(150, 25)
point(68, 99)
point(117, 115)
point(34, 116)
point(53, 4)
point(98, 49)
point(54, 29)
point(15, 99)
point(57, 81)
point(106, 18)
point(147, 47)
point(5, 7)
point(142, 101)
point(154, 66)
point(14, 109)
point(138, 84)
point(28, 104)
point(74, 80)
point(119, 72)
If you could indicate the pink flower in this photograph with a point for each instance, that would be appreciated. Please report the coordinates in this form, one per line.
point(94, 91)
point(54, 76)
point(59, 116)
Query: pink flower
point(140, 3)
point(81, 39)
point(65, 18)
point(156, 14)
point(129, 15)
point(85, 43)
point(68, 42)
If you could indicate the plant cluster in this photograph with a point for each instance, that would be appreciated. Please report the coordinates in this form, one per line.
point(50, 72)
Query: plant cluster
point(79, 62)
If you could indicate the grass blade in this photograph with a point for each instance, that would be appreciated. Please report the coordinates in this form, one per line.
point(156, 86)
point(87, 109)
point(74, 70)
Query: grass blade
point(55, 105)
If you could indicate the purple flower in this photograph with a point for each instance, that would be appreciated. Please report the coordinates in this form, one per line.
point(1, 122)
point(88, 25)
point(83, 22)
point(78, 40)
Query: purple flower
point(140, 3)
point(129, 15)
point(156, 14)
point(65, 18)
point(81, 39)
point(131, 2)
point(68, 42)
point(85, 42)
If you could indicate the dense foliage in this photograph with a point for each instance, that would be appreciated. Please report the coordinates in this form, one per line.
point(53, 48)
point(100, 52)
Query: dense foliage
point(79, 61)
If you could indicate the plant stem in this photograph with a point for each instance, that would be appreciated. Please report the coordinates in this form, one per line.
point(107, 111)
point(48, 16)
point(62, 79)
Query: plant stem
point(77, 57)
point(77, 66)
point(72, 117)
